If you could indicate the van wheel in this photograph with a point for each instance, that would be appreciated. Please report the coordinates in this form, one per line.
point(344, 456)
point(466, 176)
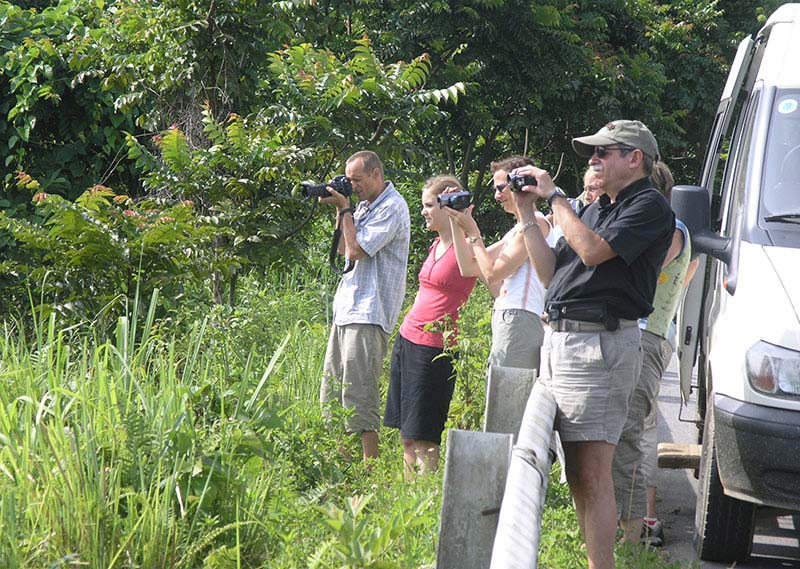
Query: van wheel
point(723, 525)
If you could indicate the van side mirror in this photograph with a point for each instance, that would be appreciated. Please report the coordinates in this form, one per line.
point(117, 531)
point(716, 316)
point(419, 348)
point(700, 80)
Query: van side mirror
point(691, 205)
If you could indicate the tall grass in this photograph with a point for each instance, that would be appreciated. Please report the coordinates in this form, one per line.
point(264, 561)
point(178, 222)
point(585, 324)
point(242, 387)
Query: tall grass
point(201, 444)
point(101, 453)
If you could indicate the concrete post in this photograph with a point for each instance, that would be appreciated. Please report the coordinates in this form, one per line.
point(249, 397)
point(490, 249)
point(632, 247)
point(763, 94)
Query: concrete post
point(507, 390)
point(516, 544)
point(475, 469)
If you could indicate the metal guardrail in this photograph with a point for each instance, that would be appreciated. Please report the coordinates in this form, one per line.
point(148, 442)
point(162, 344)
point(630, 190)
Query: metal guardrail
point(494, 491)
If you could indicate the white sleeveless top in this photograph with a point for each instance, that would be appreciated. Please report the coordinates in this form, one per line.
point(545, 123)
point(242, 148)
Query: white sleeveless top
point(522, 289)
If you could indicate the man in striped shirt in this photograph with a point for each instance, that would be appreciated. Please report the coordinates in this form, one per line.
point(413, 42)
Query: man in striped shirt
point(368, 300)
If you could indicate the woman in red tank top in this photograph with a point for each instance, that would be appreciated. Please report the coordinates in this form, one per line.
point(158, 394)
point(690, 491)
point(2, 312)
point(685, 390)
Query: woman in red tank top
point(421, 382)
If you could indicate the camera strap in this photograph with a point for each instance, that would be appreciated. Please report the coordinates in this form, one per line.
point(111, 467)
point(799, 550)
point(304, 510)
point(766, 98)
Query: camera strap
point(349, 265)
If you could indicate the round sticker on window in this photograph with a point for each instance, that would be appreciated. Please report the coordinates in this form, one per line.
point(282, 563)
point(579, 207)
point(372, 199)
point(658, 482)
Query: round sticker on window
point(787, 106)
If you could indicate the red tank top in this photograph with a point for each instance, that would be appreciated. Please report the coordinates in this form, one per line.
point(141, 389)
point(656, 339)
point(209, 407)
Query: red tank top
point(442, 291)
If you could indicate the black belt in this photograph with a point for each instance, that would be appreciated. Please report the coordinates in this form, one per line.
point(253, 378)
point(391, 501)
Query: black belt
point(595, 313)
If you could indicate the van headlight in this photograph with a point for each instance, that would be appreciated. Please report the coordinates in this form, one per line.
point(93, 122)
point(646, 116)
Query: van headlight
point(773, 369)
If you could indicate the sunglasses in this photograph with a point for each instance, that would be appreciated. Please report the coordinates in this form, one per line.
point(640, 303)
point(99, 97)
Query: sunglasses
point(500, 187)
point(603, 151)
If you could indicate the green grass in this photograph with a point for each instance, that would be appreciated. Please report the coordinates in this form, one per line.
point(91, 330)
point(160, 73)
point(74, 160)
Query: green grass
point(201, 444)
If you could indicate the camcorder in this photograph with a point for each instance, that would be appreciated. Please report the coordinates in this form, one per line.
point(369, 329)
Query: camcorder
point(340, 183)
point(455, 200)
point(516, 182)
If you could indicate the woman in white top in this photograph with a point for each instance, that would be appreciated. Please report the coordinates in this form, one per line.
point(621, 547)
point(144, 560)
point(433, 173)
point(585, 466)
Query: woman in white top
point(517, 330)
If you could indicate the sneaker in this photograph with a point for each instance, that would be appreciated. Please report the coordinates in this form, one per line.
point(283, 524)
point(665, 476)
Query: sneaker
point(653, 535)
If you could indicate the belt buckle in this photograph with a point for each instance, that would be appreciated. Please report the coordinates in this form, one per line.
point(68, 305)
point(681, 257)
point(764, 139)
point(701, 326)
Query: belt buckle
point(555, 314)
point(611, 323)
point(560, 325)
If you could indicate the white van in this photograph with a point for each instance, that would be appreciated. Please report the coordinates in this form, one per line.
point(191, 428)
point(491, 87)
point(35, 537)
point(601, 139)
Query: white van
point(740, 320)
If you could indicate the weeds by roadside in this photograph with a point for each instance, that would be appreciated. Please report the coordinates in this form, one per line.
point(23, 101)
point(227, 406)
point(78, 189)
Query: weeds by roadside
point(208, 449)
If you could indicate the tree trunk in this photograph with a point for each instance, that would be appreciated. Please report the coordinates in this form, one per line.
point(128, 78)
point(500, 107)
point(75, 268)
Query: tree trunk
point(468, 148)
point(485, 161)
point(217, 288)
point(232, 291)
point(451, 165)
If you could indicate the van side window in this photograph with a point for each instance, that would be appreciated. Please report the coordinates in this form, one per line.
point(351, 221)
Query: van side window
point(781, 183)
point(736, 179)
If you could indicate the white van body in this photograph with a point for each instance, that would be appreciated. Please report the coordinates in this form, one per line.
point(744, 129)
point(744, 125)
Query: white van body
point(740, 320)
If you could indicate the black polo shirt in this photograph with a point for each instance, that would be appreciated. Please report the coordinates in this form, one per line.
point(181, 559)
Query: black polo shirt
point(639, 228)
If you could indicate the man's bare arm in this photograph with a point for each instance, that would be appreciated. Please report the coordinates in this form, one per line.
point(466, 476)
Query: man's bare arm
point(589, 246)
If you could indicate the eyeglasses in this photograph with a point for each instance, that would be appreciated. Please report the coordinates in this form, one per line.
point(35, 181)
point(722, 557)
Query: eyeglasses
point(500, 187)
point(603, 151)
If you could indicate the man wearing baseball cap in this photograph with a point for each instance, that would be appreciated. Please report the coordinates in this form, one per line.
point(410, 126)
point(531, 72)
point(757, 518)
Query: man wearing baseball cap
point(601, 278)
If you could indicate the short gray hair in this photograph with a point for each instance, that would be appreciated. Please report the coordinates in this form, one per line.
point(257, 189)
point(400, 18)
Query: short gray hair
point(369, 160)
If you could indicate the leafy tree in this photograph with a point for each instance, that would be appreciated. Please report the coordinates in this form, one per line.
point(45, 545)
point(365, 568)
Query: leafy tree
point(85, 259)
point(62, 127)
point(263, 94)
point(245, 180)
point(75, 76)
point(542, 72)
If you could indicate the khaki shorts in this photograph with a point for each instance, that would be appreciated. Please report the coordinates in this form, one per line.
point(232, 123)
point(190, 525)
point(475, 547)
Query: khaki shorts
point(635, 458)
point(591, 373)
point(353, 365)
point(516, 338)
point(650, 432)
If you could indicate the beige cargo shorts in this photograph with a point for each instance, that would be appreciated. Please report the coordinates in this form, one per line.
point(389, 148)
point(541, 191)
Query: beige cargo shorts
point(352, 368)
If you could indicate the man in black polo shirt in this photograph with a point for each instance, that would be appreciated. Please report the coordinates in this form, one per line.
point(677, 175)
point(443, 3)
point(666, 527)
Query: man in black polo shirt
point(601, 277)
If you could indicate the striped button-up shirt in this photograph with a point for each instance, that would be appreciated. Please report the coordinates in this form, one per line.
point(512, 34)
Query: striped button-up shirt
point(373, 292)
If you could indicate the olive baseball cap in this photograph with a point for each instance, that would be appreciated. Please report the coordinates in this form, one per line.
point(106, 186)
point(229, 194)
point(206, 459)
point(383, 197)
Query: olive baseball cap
point(626, 132)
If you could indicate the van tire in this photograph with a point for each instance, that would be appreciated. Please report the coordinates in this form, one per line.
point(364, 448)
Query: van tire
point(723, 525)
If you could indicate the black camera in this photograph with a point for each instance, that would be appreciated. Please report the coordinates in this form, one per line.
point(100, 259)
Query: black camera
point(455, 200)
point(340, 183)
point(516, 182)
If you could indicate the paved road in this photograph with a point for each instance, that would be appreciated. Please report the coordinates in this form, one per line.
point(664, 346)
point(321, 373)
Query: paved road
point(777, 540)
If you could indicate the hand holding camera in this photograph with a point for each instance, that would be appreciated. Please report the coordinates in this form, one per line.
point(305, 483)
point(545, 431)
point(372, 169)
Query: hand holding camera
point(460, 217)
point(534, 180)
point(340, 183)
point(518, 181)
point(458, 200)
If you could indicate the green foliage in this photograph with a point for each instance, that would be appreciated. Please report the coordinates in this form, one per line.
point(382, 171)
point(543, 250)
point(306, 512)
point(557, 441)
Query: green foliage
point(62, 126)
point(75, 77)
point(354, 545)
point(147, 455)
point(87, 258)
point(339, 106)
point(542, 72)
point(471, 355)
point(207, 449)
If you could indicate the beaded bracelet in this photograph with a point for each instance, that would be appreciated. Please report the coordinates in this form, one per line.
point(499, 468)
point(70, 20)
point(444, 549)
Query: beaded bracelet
point(528, 224)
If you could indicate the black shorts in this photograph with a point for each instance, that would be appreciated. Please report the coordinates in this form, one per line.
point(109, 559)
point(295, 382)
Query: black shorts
point(420, 389)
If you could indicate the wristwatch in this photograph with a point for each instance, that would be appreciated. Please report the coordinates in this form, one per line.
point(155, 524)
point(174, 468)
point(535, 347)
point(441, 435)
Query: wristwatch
point(558, 192)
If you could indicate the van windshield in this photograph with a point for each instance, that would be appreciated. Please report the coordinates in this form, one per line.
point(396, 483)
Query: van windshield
point(781, 197)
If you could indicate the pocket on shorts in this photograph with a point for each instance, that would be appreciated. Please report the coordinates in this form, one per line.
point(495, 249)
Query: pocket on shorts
point(584, 347)
point(619, 347)
point(508, 316)
point(666, 352)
